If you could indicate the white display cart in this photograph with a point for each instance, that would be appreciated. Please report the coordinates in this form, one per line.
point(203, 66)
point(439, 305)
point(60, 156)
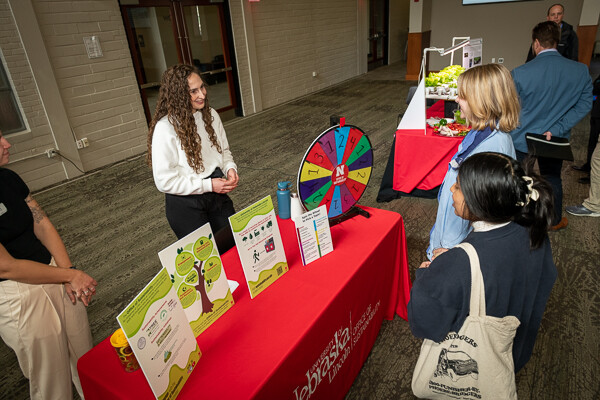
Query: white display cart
point(414, 117)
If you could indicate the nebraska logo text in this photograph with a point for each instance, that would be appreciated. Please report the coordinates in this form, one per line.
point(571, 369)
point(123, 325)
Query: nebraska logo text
point(335, 354)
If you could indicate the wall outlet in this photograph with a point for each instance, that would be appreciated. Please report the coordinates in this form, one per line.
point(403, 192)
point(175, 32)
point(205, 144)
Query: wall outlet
point(50, 153)
point(493, 60)
point(83, 142)
point(314, 74)
point(500, 60)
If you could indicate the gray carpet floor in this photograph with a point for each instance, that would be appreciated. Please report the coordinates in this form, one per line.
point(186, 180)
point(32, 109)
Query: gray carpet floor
point(113, 224)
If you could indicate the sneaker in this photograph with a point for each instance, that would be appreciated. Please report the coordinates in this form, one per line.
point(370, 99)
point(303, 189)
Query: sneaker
point(583, 168)
point(582, 211)
point(561, 225)
point(584, 180)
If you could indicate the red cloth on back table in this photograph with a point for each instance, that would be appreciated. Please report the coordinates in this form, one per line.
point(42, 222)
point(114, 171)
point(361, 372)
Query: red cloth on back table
point(421, 160)
point(308, 333)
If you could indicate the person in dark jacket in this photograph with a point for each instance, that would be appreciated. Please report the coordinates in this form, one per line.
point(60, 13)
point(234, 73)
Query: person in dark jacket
point(510, 211)
point(569, 43)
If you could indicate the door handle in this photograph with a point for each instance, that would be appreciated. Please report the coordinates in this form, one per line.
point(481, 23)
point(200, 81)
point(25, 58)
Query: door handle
point(149, 85)
point(216, 71)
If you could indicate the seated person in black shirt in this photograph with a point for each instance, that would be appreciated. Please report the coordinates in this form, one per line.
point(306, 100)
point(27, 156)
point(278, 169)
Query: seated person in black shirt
point(42, 296)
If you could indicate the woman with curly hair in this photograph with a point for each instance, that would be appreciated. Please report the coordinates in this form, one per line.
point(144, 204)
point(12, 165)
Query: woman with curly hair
point(189, 154)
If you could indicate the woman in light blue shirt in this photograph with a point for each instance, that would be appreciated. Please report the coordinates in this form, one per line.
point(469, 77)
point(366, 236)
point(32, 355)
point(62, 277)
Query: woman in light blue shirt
point(489, 101)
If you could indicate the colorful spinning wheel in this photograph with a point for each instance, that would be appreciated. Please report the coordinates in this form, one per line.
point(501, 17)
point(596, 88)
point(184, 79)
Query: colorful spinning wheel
point(335, 170)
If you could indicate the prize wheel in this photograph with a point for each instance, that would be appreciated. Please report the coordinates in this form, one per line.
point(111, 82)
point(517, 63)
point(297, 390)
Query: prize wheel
point(335, 170)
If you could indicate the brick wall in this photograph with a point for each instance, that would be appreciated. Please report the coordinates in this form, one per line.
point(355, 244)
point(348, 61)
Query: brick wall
point(292, 40)
point(288, 42)
point(101, 96)
point(27, 144)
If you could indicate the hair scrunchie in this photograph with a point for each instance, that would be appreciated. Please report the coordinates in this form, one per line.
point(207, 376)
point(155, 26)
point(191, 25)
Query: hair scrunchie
point(532, 194)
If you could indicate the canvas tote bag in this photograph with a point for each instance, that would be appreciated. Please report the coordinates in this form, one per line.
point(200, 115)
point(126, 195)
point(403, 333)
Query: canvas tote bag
point(476, 362)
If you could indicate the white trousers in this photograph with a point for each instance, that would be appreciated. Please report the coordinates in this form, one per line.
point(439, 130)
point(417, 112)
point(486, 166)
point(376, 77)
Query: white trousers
point(48, 333)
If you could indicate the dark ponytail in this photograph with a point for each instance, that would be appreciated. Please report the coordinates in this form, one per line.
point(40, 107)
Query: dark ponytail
point(495, 191)
point(537, 215)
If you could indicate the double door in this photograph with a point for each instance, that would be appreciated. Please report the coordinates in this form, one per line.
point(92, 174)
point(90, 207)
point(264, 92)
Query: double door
point(162, 33)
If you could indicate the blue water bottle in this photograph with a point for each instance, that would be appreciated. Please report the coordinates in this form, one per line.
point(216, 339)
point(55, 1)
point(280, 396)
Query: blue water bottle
point(283, 199)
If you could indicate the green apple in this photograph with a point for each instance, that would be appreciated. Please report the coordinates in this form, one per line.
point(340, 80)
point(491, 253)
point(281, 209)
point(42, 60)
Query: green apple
point(191, 278)
point(203, 248)
point(184, 262)
point(186, 294)
point(212, 269)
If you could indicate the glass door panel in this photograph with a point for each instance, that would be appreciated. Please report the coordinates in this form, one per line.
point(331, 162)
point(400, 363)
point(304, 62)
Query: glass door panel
point(377, 17)
point(152, 35)
point(162, 33)
point(205, 37)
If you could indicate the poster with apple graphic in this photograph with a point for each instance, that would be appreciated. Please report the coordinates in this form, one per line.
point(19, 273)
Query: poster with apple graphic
point(160, 337)
point(259, 245)
point(195, 268)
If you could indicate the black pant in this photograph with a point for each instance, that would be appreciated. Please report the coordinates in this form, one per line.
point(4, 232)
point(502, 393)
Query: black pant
point(188, 213)
point(550, 169)
point(593, 139)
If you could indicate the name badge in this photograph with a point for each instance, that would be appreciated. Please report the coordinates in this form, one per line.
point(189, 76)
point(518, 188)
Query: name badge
point(3, 209)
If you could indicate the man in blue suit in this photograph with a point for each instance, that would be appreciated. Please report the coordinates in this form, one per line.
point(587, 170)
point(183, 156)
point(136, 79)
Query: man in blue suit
point(555, 94)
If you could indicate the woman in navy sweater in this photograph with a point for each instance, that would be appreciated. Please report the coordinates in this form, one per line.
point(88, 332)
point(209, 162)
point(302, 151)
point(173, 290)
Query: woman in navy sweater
point(510, 211)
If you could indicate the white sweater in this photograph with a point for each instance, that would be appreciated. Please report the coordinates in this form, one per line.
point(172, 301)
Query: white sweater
point(172, 173)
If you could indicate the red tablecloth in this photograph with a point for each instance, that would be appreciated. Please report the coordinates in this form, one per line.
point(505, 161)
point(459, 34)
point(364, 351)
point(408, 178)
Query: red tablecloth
point(421, 158)
point(307, 334)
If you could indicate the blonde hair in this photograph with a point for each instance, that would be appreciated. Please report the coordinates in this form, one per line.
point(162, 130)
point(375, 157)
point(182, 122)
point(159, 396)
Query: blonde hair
point(490, 92)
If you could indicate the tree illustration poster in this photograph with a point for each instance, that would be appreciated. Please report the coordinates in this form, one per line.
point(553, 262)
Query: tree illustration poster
point(160, 336)
point(198, 277)
point(258, 242)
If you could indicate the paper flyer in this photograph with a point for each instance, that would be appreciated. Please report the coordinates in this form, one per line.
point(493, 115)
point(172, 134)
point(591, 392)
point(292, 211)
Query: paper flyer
point(259, 245)
point(198, 277)
point(473, 53)
point(314, 235)
point(160, 337)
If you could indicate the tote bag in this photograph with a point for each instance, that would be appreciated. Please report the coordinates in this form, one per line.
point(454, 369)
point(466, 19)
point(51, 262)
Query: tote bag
point(476, 362)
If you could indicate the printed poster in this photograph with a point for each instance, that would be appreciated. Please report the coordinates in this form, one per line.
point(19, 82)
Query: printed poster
point(198, 277)
point(314, 235)
point(160, 337)
point(259, 245)
point(473, 53)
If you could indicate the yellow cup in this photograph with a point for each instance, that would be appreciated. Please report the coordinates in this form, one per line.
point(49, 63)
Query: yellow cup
point(119, 341)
